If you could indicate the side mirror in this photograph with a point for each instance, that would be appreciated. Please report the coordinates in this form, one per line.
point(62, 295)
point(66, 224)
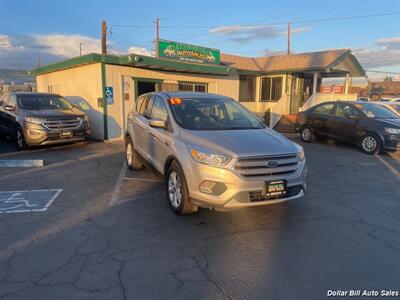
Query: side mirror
point(9, 108)
point(157, 123)
point(351, 116)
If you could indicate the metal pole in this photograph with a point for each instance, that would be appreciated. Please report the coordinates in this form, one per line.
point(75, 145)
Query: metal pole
point(80, 49)
point(288, 38)
point(157, 35)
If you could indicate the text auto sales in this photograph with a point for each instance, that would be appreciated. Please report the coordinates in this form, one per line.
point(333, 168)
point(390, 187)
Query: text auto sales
point(363, 293)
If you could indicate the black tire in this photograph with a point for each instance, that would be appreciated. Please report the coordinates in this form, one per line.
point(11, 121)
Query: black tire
point(371, 144)
point(182, 206)
point(132, 160)
point(307, 134)
point(20, 139)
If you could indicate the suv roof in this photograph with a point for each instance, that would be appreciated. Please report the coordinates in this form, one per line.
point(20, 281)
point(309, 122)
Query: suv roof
point(191, 95)
point(32, 93)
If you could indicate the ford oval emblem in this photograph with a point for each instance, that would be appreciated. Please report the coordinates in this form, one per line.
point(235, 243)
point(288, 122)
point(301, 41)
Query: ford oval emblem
point(272, 163)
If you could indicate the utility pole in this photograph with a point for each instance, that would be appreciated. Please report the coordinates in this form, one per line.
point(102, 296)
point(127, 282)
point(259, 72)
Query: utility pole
point(288, 38)
point(157, 35)
point(80, 49)
point(103, 37)
point(38, 60)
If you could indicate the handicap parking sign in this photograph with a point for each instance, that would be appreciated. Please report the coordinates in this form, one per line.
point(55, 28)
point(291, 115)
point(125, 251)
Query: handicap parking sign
point(109, 95)
point(27, 201)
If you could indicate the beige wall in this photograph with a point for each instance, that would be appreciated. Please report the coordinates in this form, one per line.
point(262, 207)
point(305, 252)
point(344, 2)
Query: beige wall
point(82, 86)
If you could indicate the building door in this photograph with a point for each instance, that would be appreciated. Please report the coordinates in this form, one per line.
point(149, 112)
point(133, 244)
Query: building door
point(144, 87)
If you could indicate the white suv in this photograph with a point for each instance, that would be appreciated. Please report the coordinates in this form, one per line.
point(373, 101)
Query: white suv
point(212, 152)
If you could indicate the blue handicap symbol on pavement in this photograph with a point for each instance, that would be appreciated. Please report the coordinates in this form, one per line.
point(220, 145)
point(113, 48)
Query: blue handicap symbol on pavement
point(27, 201)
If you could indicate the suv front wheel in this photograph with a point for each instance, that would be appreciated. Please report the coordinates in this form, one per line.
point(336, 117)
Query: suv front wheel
point(371, 144)
point(177, 191)
point(132, 161)
point(19, 136)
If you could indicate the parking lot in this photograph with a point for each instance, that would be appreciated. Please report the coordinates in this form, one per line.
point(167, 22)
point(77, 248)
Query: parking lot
point(104, 232)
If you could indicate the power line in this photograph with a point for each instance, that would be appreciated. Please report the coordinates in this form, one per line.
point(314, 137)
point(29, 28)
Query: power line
point(383, 72)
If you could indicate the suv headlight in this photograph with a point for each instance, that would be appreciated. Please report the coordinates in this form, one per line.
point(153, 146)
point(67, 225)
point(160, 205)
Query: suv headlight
point(300, 155)
point(33, 120)
point(392, 130)
point(209, 158)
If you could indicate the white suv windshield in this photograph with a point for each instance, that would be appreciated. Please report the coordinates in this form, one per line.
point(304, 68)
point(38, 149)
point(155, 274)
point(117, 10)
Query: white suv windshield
point(213, 114)
point(41, 102)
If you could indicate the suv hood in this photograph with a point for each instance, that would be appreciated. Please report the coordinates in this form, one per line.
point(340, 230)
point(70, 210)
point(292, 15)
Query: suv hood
point(55, 113)
point(236, 143)
point(391, 122)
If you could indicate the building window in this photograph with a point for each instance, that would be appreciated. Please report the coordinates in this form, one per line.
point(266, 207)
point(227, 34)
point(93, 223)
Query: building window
point(192, 87)
point(271, 88)
point(247, 88)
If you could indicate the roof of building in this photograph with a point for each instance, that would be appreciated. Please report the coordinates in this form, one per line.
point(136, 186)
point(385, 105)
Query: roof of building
point(341, 60)
point(301, 61)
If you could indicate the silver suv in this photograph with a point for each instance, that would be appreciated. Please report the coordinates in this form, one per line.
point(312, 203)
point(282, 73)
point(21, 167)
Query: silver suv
point(212, 152)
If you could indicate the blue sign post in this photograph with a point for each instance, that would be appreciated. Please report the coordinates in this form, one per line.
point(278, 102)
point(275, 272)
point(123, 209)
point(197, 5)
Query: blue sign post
point(109, 95)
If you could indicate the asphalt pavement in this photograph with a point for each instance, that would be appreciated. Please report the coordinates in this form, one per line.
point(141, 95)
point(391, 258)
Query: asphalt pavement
point(102, 232)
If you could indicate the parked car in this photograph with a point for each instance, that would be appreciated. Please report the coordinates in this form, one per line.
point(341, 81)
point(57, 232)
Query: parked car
point(41, 119)
point(212, 152)
point(393, 106)
point(371, 126)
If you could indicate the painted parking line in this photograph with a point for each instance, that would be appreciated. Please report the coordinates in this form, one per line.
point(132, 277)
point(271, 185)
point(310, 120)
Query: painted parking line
point(142, 179)
point(21, 163)
point(27, 201)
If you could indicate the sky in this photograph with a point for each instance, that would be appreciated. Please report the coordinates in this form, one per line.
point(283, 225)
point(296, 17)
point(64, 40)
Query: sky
point(52, 30)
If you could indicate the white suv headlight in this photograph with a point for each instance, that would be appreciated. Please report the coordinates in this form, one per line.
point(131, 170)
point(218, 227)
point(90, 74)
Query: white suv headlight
point(392, 130)
point(206, 157)
point(300, 155)
point(33, 120)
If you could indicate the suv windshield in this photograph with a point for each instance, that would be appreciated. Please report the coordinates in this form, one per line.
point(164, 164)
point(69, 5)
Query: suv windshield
point(376, 111)
point(213, 114)
point(41, 102)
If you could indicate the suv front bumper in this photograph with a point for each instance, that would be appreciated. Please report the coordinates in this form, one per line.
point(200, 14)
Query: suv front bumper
point(37, 135)
point(241, 192)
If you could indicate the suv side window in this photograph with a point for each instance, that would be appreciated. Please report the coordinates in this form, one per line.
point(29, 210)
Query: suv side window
point(324, 109)
point(139, 103)
point(159, 110)
point(343, 110)
point(149, 105)
point(13, 101)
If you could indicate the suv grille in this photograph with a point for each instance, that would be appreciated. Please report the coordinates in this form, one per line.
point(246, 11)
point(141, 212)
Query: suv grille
point(62, 123)
point(267, 166)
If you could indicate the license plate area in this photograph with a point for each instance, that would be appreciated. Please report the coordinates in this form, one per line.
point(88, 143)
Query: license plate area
point(275, 189)
point(66, 134)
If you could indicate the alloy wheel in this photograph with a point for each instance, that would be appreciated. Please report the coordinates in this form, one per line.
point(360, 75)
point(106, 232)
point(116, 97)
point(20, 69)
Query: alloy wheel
point(174, 189)
point(129, 152)
point(20, 139)
point(369, 144)
point(306, 134)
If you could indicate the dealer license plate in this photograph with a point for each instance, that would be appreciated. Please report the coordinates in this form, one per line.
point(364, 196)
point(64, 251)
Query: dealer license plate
point(275, 188)
point(66, 134)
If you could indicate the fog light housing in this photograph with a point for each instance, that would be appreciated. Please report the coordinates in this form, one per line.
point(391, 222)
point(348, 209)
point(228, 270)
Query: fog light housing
point(33, 132)
point(212, 187)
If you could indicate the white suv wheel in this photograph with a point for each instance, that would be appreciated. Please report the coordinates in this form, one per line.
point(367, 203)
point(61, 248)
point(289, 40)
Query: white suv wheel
point(174, 189)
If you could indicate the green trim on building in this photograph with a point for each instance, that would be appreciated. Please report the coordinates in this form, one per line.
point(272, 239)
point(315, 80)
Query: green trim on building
point(105, 114)
point(135, 60)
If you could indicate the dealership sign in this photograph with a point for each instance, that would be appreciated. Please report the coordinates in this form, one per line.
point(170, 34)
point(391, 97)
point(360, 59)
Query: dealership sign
point(188, 53)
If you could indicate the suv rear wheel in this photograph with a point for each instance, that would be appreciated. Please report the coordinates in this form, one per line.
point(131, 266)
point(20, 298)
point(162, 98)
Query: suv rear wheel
point(371, 144)
point(132, 161)
point(177, 191)
point(306, 134)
